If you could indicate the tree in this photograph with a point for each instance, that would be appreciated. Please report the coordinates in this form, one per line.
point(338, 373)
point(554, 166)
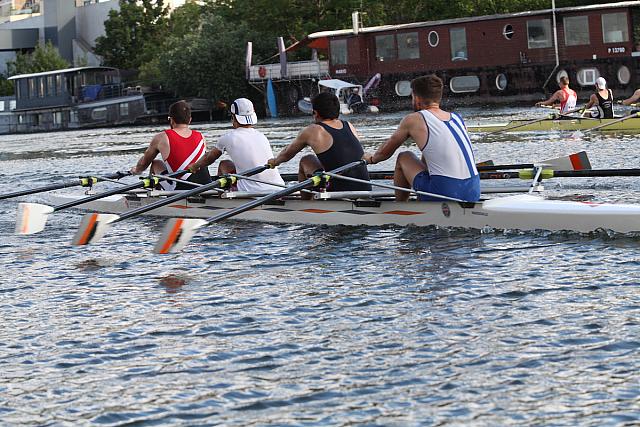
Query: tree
point(133, 34)
point(6, 86)
point(44, 58)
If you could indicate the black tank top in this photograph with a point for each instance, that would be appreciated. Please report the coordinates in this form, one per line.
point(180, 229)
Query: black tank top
point(605, 105)
point(345, 149)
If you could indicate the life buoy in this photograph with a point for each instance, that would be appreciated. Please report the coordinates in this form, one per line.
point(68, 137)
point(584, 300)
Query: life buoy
point(262, 72)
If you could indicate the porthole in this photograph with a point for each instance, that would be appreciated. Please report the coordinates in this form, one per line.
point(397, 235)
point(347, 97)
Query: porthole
point(588, 76)
point(501, 81)
point(624, 75)
point(403, 88)
point(464, 84)
point(561, 74)
point(507, 31)
point(434, 39)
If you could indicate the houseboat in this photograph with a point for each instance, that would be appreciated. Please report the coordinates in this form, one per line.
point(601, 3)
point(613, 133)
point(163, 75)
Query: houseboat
point(502, 58)
point(71, 98)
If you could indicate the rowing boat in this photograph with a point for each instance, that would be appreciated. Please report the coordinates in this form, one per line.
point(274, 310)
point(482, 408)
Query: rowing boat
point(513, 212)
point(629, 125)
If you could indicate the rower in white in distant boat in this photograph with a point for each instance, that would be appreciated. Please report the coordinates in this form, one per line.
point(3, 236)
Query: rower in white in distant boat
point(179, 147)
point(447, 166)
point(566, 96)
point(248, 149)
point(602, 100)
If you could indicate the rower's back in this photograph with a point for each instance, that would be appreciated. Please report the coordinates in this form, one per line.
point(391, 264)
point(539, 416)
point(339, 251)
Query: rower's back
point(345, 148)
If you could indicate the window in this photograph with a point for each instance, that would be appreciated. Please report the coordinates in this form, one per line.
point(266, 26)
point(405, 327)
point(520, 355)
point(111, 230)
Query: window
point(338, 51)
point(588, 76)
point(458, 44)
point(32, 88)
point(385, 48)
point(615, 28)
point(51, 86)
point(507, 31)
point(1, 105)
point(539, 33)
point(403, 88)
point(41, 91)
point(124, 109)
point(434, 39)
point(576, 30)
point(624, 75)
point(501, 81)
point(99, 113)
point(18, 87)
point(408, 46)
point(59, 85)
point(464, 84)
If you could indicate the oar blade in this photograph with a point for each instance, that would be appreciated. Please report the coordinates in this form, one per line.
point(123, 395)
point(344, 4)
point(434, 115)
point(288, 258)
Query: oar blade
point(575, 161)
point(32, 217)
point(92, 227)
point(176, 234)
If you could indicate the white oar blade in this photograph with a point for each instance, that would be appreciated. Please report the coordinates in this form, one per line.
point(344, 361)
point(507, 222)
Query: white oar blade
point(176, 234)
point(32, 217)
point(92, 227)
point(572, 162)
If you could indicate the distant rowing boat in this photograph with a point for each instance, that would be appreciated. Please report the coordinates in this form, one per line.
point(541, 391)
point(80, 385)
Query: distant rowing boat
point(629, 125)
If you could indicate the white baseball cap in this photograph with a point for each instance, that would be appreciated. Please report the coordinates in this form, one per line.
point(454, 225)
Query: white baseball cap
point(601, 83)
point(244, 112)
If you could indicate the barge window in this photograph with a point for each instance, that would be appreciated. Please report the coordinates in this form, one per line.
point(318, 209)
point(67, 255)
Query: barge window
point(576, 30)
point(624, 75)
point(51, 86)
point(385, 48)
point(124, 109)
point(539, 33)
point(615, 28)
point(408, 46)
point(588, 76)
point(338, 52)
point(41, 91)
point(507, 31)
point(18, 86)
point(59, 85)
point(32, 88)
point(458, 44)
point(464, 84)
point(434, 39)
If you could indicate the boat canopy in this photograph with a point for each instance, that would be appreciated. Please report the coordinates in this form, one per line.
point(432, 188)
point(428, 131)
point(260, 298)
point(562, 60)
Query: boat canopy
point(62, 71)
point(337, 84)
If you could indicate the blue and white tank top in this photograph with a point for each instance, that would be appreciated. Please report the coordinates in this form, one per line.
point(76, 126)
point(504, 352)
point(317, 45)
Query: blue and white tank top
point(448, 150)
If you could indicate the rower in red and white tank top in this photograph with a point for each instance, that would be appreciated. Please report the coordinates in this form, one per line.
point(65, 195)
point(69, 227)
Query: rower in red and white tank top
point(183, 152)
point(570, 100)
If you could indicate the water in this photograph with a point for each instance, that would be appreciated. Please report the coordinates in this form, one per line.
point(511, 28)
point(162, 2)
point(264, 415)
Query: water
point(257, 324)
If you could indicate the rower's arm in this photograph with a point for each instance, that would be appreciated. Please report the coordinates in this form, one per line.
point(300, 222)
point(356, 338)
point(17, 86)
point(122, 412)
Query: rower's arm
point(387, 149)
point(556, 97)
point(213, 155)
point(149, 154)
point(292, 149)
point(593, 100)
point(633, 98)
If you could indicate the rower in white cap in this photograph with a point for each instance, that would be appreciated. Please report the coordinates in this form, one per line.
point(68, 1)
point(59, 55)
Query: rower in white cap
point(247, 147)
point(602, 100)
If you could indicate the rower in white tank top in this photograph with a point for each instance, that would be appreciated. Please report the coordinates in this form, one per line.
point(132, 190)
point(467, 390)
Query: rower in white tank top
point(448, 150)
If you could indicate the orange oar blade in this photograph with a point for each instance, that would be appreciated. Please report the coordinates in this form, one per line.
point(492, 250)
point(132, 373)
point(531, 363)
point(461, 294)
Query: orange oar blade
point(176, 234)
point(92, 228)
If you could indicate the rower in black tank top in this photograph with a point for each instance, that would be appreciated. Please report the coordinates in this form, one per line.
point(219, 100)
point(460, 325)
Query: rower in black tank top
point(605, 106)
point(345, 149)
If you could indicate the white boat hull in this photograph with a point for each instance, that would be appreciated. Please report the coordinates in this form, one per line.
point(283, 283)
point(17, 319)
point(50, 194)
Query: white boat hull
point(520, 212)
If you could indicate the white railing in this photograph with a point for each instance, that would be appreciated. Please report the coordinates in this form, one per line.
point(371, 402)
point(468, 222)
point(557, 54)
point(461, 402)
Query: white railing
point(294, 70)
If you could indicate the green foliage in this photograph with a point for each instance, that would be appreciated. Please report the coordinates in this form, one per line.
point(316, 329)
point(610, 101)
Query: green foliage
point(43, 58)
point(133, 34)
point(6, 86)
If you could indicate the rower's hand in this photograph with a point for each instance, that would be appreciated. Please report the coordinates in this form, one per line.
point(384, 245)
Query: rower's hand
point(272, 163)
point(538, 104)
point(193, 168)
point(134, 171)
point(620, 101)
point(368, 157)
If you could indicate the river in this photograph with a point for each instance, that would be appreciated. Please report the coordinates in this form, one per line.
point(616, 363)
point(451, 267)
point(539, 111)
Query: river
point(257, 324)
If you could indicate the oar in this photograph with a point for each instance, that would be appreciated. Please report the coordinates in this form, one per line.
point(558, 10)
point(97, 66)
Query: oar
point(85, 181)
point(519, 125)
point(178, 231)
point(94, 225)
point(32, 217)
point(550, 173)
point(622, 119)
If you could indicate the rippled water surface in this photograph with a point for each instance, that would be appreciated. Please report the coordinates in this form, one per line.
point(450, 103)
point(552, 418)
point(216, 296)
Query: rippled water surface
point(258, 324)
